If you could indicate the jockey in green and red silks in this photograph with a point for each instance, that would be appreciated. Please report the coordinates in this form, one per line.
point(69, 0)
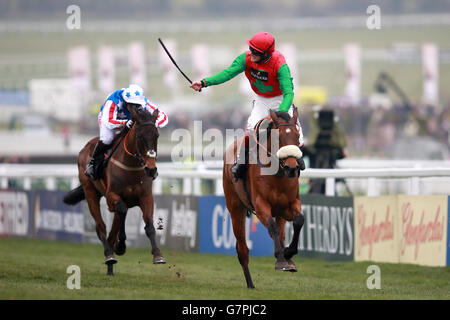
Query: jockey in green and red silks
point(269, 77)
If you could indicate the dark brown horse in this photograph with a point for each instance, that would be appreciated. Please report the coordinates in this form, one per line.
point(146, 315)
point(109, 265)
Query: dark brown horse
point(126, 182)
point(274, 198)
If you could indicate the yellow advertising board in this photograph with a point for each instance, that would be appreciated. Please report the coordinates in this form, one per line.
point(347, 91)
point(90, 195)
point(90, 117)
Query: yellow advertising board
point(423, 229)
point(376, 225)
point(401, 228)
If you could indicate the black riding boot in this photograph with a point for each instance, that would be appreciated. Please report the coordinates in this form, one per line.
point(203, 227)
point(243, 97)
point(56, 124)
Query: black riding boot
point(238, 169)
point(92, 168)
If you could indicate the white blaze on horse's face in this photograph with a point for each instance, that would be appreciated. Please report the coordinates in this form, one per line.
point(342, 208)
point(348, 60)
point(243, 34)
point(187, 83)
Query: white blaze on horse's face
point(289, 151)
point(151, 153)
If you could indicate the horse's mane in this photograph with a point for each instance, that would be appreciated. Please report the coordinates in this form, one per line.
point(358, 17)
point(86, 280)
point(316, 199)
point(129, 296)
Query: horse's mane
point(145, 116)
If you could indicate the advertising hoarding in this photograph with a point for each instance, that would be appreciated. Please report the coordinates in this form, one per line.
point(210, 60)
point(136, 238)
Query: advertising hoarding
point(216, 230)
point(328, 229)
point(376, 224)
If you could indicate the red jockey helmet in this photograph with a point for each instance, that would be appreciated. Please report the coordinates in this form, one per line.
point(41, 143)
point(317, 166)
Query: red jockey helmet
point(263, 42)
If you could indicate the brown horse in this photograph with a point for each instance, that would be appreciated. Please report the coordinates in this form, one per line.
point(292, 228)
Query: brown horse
point(274, 198)
point(126, 182)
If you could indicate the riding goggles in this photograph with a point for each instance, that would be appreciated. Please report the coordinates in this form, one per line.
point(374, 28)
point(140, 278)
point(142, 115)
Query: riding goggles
point(256, 52)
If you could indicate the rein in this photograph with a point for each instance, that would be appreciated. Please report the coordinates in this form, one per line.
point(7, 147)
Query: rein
point(269, 153)
point(134, 155)
point(255, 137)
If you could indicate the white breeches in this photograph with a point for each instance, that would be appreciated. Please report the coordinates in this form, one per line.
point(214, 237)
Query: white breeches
point(106, 134)
point(260, 109)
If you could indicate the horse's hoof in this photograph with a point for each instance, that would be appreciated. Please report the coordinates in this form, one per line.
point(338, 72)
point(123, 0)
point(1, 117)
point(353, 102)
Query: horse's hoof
point(282, 265)
point(120, 248)
point(159, 260)
point(110, 260)
point(292, 267)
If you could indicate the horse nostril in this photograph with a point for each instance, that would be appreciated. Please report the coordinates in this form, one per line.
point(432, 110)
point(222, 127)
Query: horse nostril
point(292, 171)
point(151, 172)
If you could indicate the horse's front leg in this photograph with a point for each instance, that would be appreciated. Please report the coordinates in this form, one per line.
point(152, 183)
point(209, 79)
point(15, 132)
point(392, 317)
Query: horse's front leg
point(264, 214)
point(112, 236)
point(146, 204)
point(297, 222)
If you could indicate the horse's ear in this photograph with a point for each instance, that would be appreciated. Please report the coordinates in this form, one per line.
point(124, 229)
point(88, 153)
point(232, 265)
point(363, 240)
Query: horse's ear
point(294, 115)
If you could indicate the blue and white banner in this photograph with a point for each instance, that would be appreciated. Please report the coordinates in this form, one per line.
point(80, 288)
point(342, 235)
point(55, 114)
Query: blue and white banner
point(15, 212)
point(216, 230)
point(55, 220)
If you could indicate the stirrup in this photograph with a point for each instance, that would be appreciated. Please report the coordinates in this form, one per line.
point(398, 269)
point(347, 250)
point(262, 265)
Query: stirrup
point(93, 169)
point(90, 170)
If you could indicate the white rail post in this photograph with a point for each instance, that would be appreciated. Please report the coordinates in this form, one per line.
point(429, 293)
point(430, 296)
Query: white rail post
point(187, 186)
point(27, 183)
point(50, 183)
point(197, 187)
point(4, 184)
point(219, 187)
point(330, 187)
point(414, 186)
point(371, 187)
point(74, 182)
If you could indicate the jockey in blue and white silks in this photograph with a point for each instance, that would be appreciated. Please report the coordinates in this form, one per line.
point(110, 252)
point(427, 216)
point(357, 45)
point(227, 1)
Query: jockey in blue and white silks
point(113, 113)
point(113, 116)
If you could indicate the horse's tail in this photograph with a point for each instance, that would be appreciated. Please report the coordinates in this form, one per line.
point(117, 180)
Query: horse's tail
point(74, 196)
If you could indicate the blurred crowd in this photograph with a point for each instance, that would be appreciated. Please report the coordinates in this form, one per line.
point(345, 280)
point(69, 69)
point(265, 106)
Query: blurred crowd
point(401, 131)
point(370, 132)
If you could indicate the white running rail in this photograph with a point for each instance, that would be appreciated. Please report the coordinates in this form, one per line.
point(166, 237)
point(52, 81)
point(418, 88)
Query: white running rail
point(192, 174)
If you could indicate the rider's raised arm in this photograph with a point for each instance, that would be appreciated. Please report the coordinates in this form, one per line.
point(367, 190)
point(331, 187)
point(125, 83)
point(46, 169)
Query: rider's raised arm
point(162, 119)
point(229, 73)
point(286, 86)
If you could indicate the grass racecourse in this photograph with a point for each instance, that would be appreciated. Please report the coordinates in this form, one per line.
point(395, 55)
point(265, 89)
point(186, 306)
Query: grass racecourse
point(36, 269)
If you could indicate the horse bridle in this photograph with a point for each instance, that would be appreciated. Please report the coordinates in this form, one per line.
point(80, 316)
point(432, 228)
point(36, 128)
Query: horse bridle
point(138, 156)
point(270, 154)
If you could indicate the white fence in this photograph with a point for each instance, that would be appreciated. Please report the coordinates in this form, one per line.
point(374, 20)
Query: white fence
point(191, 176)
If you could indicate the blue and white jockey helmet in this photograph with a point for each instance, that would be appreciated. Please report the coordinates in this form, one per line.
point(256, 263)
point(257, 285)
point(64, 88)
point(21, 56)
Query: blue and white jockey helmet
point(134, 94)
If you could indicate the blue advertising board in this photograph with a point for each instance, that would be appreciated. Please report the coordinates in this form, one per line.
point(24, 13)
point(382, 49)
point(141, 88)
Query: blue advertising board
point(216, 230)
point(54, 220)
